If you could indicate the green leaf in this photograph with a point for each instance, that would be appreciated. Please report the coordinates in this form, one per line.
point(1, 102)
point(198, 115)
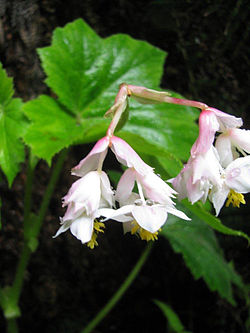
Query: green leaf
point(174, 322)
point(197, 243)
point(51, 129)
point(12, 127)
point(85, 72)
point(212, 221)
point(166, 128)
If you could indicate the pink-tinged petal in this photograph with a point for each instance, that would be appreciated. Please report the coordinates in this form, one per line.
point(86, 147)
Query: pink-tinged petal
point(240, 138)
point(65, 226)
point(117, 214)
point(92, 160)
point(178, 213)
point(194, 191)
point(218, 197)
point(238, 175)
point(207, 166)
point(125, 186)
point(82, 228)
point(180, 181)
point(156, 189)
point(226, 120)
point(208, 125)
point(87, 191)
point(106, 191)
point(150, 218)
point(127, 156)
point(74, 210)
point(224, 148)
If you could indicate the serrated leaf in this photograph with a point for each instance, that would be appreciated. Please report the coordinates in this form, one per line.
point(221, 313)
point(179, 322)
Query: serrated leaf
point(213, 221)
point(12, 127)
point(85, 72)
point(197, 243)
point(51, 129)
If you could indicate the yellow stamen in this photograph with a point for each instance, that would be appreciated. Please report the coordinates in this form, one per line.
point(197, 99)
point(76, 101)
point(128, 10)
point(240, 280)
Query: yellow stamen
point(144, 234)
point(92, 243)
point(235, 199)
point(97, 228)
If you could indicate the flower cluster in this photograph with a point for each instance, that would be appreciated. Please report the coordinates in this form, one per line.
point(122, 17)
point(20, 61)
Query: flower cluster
point(219, 167)
point(91, 200)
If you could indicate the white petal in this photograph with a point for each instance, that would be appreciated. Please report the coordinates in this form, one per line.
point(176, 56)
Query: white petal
point(155, 188)
point(82, 228)
point(150, 218)
point(117, 214)
point(224, 148)
point(63, 228)
point(226, 120)
point(91, 161)
point(238, 175)
point(106, 191)
point(241, 139)
point(127, 156)
point(218, 197)
point(176, 212)
point(125, 186)
point(87, 191)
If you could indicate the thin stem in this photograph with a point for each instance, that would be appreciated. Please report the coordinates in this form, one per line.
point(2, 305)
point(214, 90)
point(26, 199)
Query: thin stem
point(28, 190)
point(119, 293)
point(26, 251)
point(12, 326)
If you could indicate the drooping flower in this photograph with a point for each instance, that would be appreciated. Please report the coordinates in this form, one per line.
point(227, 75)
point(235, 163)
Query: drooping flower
point(235, 181)
point(230, 143)
point(84, 200)
point(198, 176)
point(146, 212)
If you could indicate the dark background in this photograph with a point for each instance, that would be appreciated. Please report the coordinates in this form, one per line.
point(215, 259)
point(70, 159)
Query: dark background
point(66, 283)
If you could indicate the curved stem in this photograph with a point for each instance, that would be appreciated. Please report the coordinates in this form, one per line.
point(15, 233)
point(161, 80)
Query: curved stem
point(119, 293)
point(26, 251)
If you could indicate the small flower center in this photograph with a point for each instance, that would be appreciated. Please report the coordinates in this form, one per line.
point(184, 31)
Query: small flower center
point(98, 227)
point(144, 234)
point(235, 199)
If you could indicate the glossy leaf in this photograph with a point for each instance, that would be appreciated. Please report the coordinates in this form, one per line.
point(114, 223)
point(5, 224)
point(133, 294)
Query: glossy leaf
point(12, 127)
point(198, 245)
point(166, 128)
point(85, 71)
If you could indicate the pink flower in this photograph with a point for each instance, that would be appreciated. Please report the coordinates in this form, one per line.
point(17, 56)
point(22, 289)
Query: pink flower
point(123, 152)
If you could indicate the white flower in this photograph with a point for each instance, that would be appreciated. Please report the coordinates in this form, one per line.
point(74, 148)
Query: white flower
point(84, 200)
point(230, 142)
point(198, 176)
point(146, 211)
point(235, 180)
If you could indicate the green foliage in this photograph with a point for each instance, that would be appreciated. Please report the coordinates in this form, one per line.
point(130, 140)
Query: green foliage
point(12, 127)
point(85, 72)
point(174, 323)
point(165, 128)
point(197, 243)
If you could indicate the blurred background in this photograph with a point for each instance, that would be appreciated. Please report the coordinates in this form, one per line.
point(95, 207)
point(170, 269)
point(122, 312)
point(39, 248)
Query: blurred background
point(66, 284)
